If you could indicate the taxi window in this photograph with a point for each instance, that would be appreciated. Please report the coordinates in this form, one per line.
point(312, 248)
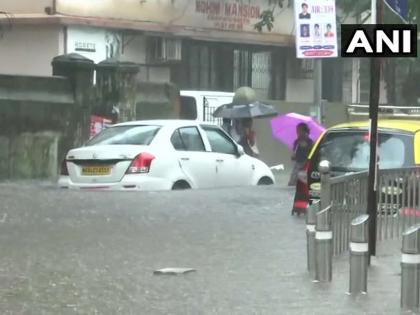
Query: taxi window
point(350, 150)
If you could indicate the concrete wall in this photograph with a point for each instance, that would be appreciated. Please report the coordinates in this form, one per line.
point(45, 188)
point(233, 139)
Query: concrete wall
point(272, 151)
point(34, 112)
point(30, 155)
point(156, 74)
point(300, 90)
point(156, 100)
point(135, 49)
point(28, 50)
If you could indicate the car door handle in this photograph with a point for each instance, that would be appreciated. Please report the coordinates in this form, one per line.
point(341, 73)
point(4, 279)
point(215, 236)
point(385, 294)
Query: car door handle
point(220, 160)
point(185, 159)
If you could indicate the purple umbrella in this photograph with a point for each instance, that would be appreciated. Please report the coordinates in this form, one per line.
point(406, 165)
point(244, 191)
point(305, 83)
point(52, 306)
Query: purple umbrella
point(284, 128)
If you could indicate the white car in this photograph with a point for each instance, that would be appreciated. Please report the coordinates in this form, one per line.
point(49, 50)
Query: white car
point(161, 155)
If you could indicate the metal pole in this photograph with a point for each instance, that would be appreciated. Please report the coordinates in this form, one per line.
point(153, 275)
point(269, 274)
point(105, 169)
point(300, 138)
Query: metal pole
point(373, 12)
point(359, 255)
point(372, 204)
point(318, 87)
point(410, 268)
point(310, 235)
point(324, 168)
point(323, 246)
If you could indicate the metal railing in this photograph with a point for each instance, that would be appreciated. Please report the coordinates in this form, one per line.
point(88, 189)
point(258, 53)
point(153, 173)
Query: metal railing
point(208, 112)
point(336, 223)
point(348, 199)
point(398, 202)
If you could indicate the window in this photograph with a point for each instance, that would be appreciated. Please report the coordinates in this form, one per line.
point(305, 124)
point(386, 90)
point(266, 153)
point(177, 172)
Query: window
point(219, 141)
point(350, 151)
point(187, 139)
point(135, 135)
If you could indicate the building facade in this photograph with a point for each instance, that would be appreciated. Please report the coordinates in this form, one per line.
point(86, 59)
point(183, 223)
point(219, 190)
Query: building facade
point(198, 45)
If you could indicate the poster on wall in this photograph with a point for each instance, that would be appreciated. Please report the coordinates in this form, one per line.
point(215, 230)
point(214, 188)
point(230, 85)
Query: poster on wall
point(316, 29)
point(97, 124)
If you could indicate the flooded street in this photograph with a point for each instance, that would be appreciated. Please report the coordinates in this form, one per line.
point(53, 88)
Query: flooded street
point(95, 252)
point(69, 252)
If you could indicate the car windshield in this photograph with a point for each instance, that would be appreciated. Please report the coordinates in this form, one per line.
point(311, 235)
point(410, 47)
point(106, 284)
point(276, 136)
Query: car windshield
point(350, 151)
point(134, 135)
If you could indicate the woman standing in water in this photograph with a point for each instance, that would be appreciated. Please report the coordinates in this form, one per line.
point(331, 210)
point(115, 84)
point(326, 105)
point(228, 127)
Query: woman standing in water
point(302, 148)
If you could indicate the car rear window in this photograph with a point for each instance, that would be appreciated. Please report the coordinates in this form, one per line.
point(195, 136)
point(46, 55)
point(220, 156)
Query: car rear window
point(350, 150)
point(134, 135)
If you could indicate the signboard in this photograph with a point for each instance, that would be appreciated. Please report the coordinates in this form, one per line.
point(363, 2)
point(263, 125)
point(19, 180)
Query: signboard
point(94, 43)
point(224, 19)
point(229, 15)
point(316, 29)
point(400, 7)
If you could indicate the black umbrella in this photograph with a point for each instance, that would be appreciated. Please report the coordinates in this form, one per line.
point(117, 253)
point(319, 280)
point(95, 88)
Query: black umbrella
point(252, 110)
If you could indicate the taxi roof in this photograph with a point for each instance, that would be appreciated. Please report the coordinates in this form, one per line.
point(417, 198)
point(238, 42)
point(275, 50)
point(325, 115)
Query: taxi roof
point(411, 126)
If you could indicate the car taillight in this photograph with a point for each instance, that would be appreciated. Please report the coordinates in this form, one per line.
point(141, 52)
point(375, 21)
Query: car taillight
point(141, 164)
point(64, 170)
point(303, 174)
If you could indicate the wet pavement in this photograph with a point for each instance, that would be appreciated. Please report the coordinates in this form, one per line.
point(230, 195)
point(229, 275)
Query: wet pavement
point(69, 252)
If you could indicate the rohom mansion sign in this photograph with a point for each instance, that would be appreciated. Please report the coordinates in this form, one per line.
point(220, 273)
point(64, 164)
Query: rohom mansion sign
point(217, 18)
point(228, 15)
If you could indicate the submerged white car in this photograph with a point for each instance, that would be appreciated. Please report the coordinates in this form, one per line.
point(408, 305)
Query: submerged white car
point(161, 155)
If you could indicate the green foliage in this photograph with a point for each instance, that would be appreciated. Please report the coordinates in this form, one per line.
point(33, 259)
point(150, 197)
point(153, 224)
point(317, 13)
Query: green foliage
point(267, 16)
point(267, 20)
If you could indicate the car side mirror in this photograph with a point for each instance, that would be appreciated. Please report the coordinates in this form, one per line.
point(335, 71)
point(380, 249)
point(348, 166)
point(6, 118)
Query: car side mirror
point(240, 150)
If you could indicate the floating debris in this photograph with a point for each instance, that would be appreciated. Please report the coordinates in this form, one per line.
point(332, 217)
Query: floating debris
point(278, 168)
point(173, 271)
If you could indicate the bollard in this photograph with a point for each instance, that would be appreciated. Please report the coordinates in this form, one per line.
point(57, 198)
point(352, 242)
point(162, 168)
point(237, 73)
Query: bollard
point(310, 234)
point(324, 169)
point(359, 254)
point(323, 246)
point(410, 268)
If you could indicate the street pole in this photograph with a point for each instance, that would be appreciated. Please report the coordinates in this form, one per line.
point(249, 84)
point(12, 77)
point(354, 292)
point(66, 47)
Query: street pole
point(373, 10)
point(318, 87)
point(375, 78)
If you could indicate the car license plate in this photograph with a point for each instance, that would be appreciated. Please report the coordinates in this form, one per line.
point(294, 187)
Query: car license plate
point(96, 170)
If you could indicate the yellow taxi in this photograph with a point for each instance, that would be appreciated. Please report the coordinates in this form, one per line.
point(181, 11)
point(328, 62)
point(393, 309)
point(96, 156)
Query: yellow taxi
point(346, 147)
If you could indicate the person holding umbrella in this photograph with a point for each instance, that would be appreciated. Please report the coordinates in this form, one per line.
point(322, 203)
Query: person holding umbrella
point(249, 141)
point(227, 125)
point(301, 149)
point(298, 133)
point(244, 108)
point(243, 133)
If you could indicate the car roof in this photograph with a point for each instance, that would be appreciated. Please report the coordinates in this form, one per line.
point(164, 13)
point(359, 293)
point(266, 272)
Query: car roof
point(165, 122)
point(411, 126)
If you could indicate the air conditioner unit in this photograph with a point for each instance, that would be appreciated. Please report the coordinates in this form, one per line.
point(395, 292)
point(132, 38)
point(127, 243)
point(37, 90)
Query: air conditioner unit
point(163, 50)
